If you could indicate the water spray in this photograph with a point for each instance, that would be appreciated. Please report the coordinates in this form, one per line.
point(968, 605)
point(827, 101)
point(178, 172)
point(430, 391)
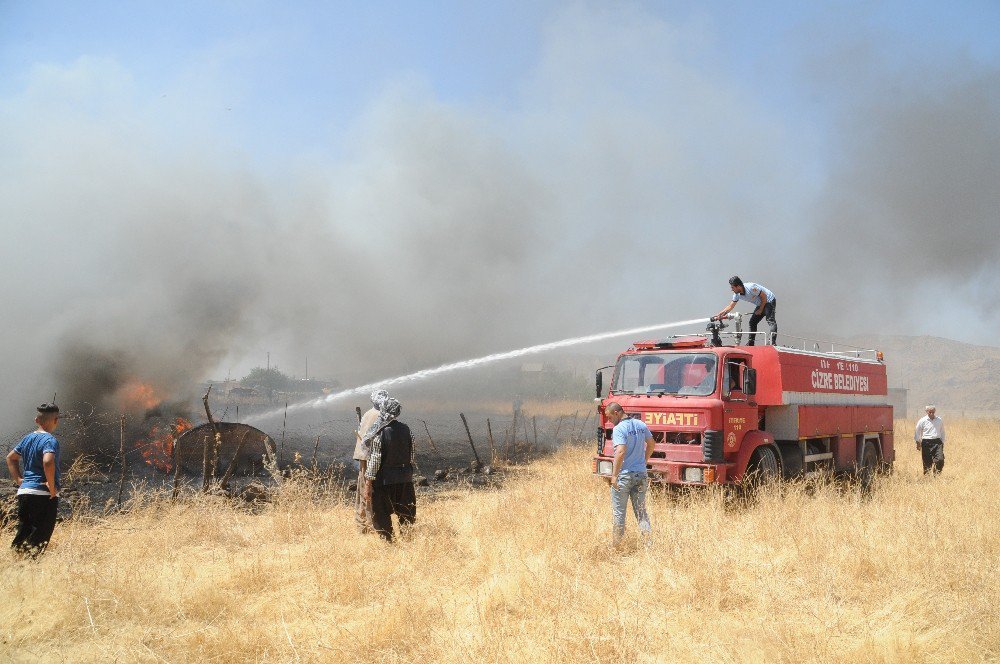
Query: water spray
point(476, 362)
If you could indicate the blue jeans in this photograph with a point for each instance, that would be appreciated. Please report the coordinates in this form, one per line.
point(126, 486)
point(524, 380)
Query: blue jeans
point(630, 485)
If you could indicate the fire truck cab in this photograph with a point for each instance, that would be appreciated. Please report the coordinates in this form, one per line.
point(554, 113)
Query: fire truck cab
point(722, 414)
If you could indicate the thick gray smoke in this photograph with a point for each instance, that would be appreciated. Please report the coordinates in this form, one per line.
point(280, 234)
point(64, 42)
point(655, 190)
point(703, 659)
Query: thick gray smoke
point(631, 179)
point(908, 220)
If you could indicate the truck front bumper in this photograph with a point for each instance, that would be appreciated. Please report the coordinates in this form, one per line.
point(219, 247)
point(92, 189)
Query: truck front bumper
point(673, 472)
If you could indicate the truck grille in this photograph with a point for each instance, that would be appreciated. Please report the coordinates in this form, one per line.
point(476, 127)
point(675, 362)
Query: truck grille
point(713, 446)
point(679, 438)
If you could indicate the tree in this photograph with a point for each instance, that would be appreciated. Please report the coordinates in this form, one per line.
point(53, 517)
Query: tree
point(268, 381)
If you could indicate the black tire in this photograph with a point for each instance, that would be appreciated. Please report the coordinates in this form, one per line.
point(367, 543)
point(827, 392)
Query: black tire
point(884, 467)
point(763, 467)
point(867, 467)
point(792, 465)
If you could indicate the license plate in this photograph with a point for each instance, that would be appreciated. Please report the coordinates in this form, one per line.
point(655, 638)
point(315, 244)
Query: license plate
point(604, 467)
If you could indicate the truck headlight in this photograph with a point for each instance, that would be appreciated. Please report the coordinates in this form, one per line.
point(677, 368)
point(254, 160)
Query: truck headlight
point(604, 467)
point(693, 475)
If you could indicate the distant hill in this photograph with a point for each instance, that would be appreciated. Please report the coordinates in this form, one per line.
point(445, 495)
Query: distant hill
point(960, 378)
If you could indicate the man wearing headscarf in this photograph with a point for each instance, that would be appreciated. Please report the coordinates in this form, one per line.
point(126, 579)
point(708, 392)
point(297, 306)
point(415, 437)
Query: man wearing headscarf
point(389, 471)
point(362, 452)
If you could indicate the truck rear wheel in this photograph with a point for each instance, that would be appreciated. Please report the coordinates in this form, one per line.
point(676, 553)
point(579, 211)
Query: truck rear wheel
point(763, 467)
point(792, 464)
point(867, 467)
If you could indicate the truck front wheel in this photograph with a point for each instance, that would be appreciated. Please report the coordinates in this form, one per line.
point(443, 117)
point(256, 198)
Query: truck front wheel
point(762, 467)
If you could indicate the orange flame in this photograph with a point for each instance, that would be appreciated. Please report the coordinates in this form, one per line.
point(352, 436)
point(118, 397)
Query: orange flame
point(158, 446)
point(137, 395)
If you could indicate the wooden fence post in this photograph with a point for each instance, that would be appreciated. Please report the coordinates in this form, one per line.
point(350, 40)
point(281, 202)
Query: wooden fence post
point(177, 466)
point(224, 482)
point(121, 454)
point(281, 447)
point(479, 464)
point(315, 452)
point(208, 465)
point(489, 432)
point(584, 426)
point(431, 440)
point(271, 459)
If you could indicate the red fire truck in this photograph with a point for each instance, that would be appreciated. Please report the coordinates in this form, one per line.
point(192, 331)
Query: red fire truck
point(722, 414)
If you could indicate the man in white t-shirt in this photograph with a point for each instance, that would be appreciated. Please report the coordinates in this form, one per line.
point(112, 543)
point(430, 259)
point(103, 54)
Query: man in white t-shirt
point(764, 303)
point(929, 437)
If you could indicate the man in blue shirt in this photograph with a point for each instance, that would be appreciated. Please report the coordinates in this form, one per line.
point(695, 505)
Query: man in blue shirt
point(633, 447)
point(38, 488)
point(764, 302)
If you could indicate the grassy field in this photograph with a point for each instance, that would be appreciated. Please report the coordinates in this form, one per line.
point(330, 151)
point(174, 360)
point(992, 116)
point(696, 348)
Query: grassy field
point(525, 574)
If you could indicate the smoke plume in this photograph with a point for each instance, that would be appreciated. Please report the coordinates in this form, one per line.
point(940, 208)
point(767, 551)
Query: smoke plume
point(629, 180)
point(907, 220)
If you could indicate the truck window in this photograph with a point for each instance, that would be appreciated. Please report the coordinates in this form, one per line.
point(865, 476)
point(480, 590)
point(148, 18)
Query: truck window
point(628, 376)
point(691, 374)
point(735, 367)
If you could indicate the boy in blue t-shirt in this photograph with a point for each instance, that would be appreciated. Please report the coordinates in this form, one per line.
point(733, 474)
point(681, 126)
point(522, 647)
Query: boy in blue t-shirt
point(38, 488)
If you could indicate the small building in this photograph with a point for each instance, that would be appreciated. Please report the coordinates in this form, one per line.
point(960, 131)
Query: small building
point(897, 398)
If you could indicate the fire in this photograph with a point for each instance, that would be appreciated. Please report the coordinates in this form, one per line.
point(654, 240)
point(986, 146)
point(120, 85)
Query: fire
point(137, 395)
point(158, 446)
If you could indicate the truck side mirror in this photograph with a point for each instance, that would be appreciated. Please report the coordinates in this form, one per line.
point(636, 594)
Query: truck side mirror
point(750, 381)
point(599, 382)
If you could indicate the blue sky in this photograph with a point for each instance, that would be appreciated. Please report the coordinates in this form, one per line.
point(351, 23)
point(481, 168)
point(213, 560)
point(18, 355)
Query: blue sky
point(298, 73)
point(308, 69)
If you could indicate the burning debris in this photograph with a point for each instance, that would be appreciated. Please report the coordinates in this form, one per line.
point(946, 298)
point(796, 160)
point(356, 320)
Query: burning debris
point(157, 423)
point(157, 447)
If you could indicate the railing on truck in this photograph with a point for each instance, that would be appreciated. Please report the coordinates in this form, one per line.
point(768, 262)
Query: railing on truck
point(835, 348)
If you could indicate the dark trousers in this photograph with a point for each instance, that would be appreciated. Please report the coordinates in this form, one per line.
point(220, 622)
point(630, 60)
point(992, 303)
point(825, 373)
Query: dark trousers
point(389, 499)
point(932, 453)
point(36, 519)
point(771, 322)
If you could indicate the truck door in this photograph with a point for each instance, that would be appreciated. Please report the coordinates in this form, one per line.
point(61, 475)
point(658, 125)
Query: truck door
point(740, 408)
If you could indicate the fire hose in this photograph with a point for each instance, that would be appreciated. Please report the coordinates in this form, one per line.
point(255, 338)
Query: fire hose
point(718, 323)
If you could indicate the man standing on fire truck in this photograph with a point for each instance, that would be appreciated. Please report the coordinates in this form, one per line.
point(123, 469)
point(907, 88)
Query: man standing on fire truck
point(761, 298)
point(629, 479)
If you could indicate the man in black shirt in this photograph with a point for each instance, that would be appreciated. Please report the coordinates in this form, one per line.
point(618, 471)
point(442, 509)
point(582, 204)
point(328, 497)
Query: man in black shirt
point(389, 478)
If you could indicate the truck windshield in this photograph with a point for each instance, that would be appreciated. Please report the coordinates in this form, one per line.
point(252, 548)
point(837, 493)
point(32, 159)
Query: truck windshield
point(691, 374)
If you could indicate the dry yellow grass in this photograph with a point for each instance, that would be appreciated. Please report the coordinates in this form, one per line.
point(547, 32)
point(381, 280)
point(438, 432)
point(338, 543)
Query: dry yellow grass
point(525, 574)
